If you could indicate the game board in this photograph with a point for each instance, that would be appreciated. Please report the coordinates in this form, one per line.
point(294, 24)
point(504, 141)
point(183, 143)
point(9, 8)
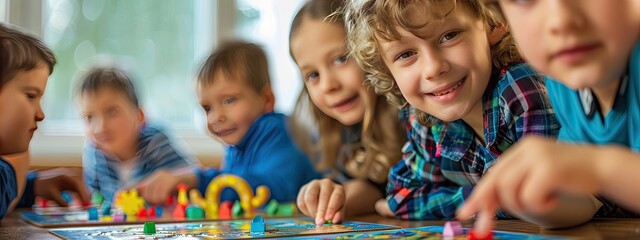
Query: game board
point(234, 229)
point(188, 206)
point(428, 232)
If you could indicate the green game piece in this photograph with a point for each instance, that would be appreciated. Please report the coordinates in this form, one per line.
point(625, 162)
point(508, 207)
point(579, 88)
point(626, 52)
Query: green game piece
point(236, 210)
point(286, 210)
point(271, 208)
point(96, 198)
point(195, 212)
point(149, 228)
point(329, 222)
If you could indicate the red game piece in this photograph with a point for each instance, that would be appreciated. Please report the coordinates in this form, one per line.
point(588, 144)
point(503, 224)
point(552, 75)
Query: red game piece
point(170, 201)
point(43, 202)
point(472, 236)
point(142, 213)
point(225, 210)
point(85, 205)
point(151, 212)
point(179, 212)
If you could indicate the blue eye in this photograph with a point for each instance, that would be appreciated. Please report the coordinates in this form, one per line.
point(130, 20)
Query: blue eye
point(341, 59)
point(312, 76)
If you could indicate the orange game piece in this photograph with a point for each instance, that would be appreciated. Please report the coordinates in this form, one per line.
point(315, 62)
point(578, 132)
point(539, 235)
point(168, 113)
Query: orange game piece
point(225, 210)
point(472, 236)
point(179, 212)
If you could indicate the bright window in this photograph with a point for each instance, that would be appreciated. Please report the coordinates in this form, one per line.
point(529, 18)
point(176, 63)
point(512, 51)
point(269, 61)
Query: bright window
point(161, 42)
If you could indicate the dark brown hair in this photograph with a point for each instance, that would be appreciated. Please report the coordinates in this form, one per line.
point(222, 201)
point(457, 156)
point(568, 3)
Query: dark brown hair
point(20, 51)
point(237, 59)
point(108, 78)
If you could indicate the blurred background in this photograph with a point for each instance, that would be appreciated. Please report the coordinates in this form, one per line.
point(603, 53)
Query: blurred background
point(161, 43)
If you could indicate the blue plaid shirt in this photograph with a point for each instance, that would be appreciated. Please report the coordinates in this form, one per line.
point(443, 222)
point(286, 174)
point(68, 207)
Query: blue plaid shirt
point(156, 150)
point(431, 184)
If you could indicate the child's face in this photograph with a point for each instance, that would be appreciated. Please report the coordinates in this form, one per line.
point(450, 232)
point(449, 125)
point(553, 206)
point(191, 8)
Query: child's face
point(20, 109)
point(580, 43)
point(333, 81)
point(443, 73)
point(112, 122)
point(231, 107)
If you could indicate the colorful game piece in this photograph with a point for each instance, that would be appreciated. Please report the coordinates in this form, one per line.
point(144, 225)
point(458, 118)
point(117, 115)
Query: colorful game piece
point(257, 225)
point(159, 211)
point(149, 228)
point(271, 208)
point(170, 200)
point(179, 212)
point(130, 202)
point(142, 213)
point(225, 210)
point(182, 194)
point(248, 200)
point(67, 197)
point(287, 210)
point(93, 213)
point(472, 236)
point(106, 208)
point(151, 212)
point(195, 212)
point(96, 198)
point(452, 229)
point(236, 210)
point(119, 217)
point(106, 219)
point(328, 222)
point(43, 202)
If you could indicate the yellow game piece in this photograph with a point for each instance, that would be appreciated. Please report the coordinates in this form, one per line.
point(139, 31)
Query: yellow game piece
point(248, 201)
point(130, 202)
point(182, 195)
point(106, 219)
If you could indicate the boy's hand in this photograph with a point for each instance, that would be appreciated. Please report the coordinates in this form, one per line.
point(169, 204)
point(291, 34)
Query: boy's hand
point(157, 187)
point(382, 208)
point(323, 200)
point(528, 177)
point(51, 183)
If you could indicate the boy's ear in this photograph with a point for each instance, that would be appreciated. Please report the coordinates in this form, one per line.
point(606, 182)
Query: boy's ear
point(270, 99)
point(497, 33)
point(141, 117)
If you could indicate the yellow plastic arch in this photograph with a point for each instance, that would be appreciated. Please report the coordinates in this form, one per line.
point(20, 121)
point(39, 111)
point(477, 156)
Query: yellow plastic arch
point(248, 201)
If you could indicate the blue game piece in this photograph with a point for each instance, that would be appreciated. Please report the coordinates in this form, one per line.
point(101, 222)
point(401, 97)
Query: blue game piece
point(257, 225)
point(158, 211)
point(67, 197)
point(106, 208)
point(93, 213)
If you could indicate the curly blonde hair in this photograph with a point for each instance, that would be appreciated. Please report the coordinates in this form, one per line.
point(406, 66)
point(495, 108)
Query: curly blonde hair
point(370, 21)
point(382, 135)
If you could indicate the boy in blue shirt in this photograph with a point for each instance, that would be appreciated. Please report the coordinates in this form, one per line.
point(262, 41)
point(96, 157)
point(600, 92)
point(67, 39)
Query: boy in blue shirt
point(25, 66)
point(122, 147)
point(234, 90)
point(591, 49)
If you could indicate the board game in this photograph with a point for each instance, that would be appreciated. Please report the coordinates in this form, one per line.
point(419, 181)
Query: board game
point(428, 232)
point(234, 229)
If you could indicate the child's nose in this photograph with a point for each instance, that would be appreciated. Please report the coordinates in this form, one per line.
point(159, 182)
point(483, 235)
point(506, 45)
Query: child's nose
point(329, 82)
point(563, 18)
point(434, 66)
point(39, 114)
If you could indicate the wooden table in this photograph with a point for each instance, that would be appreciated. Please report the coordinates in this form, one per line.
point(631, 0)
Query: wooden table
point(12, 227)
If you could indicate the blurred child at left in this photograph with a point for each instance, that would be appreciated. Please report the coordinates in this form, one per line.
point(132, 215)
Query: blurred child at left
point(122, 146)
point(234, 90)
point(25, 65)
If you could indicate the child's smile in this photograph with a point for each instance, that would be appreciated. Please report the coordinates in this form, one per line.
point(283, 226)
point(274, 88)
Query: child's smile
point(446, 93)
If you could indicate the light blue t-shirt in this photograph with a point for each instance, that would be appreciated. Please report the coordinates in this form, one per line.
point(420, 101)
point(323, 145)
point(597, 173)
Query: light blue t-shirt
point(621, 126)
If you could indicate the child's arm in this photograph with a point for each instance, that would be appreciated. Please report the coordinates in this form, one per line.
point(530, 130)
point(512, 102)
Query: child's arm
point(50, 184)
point(157, 187)
point(530, 177)
point(13, 169)
point(417, 188)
